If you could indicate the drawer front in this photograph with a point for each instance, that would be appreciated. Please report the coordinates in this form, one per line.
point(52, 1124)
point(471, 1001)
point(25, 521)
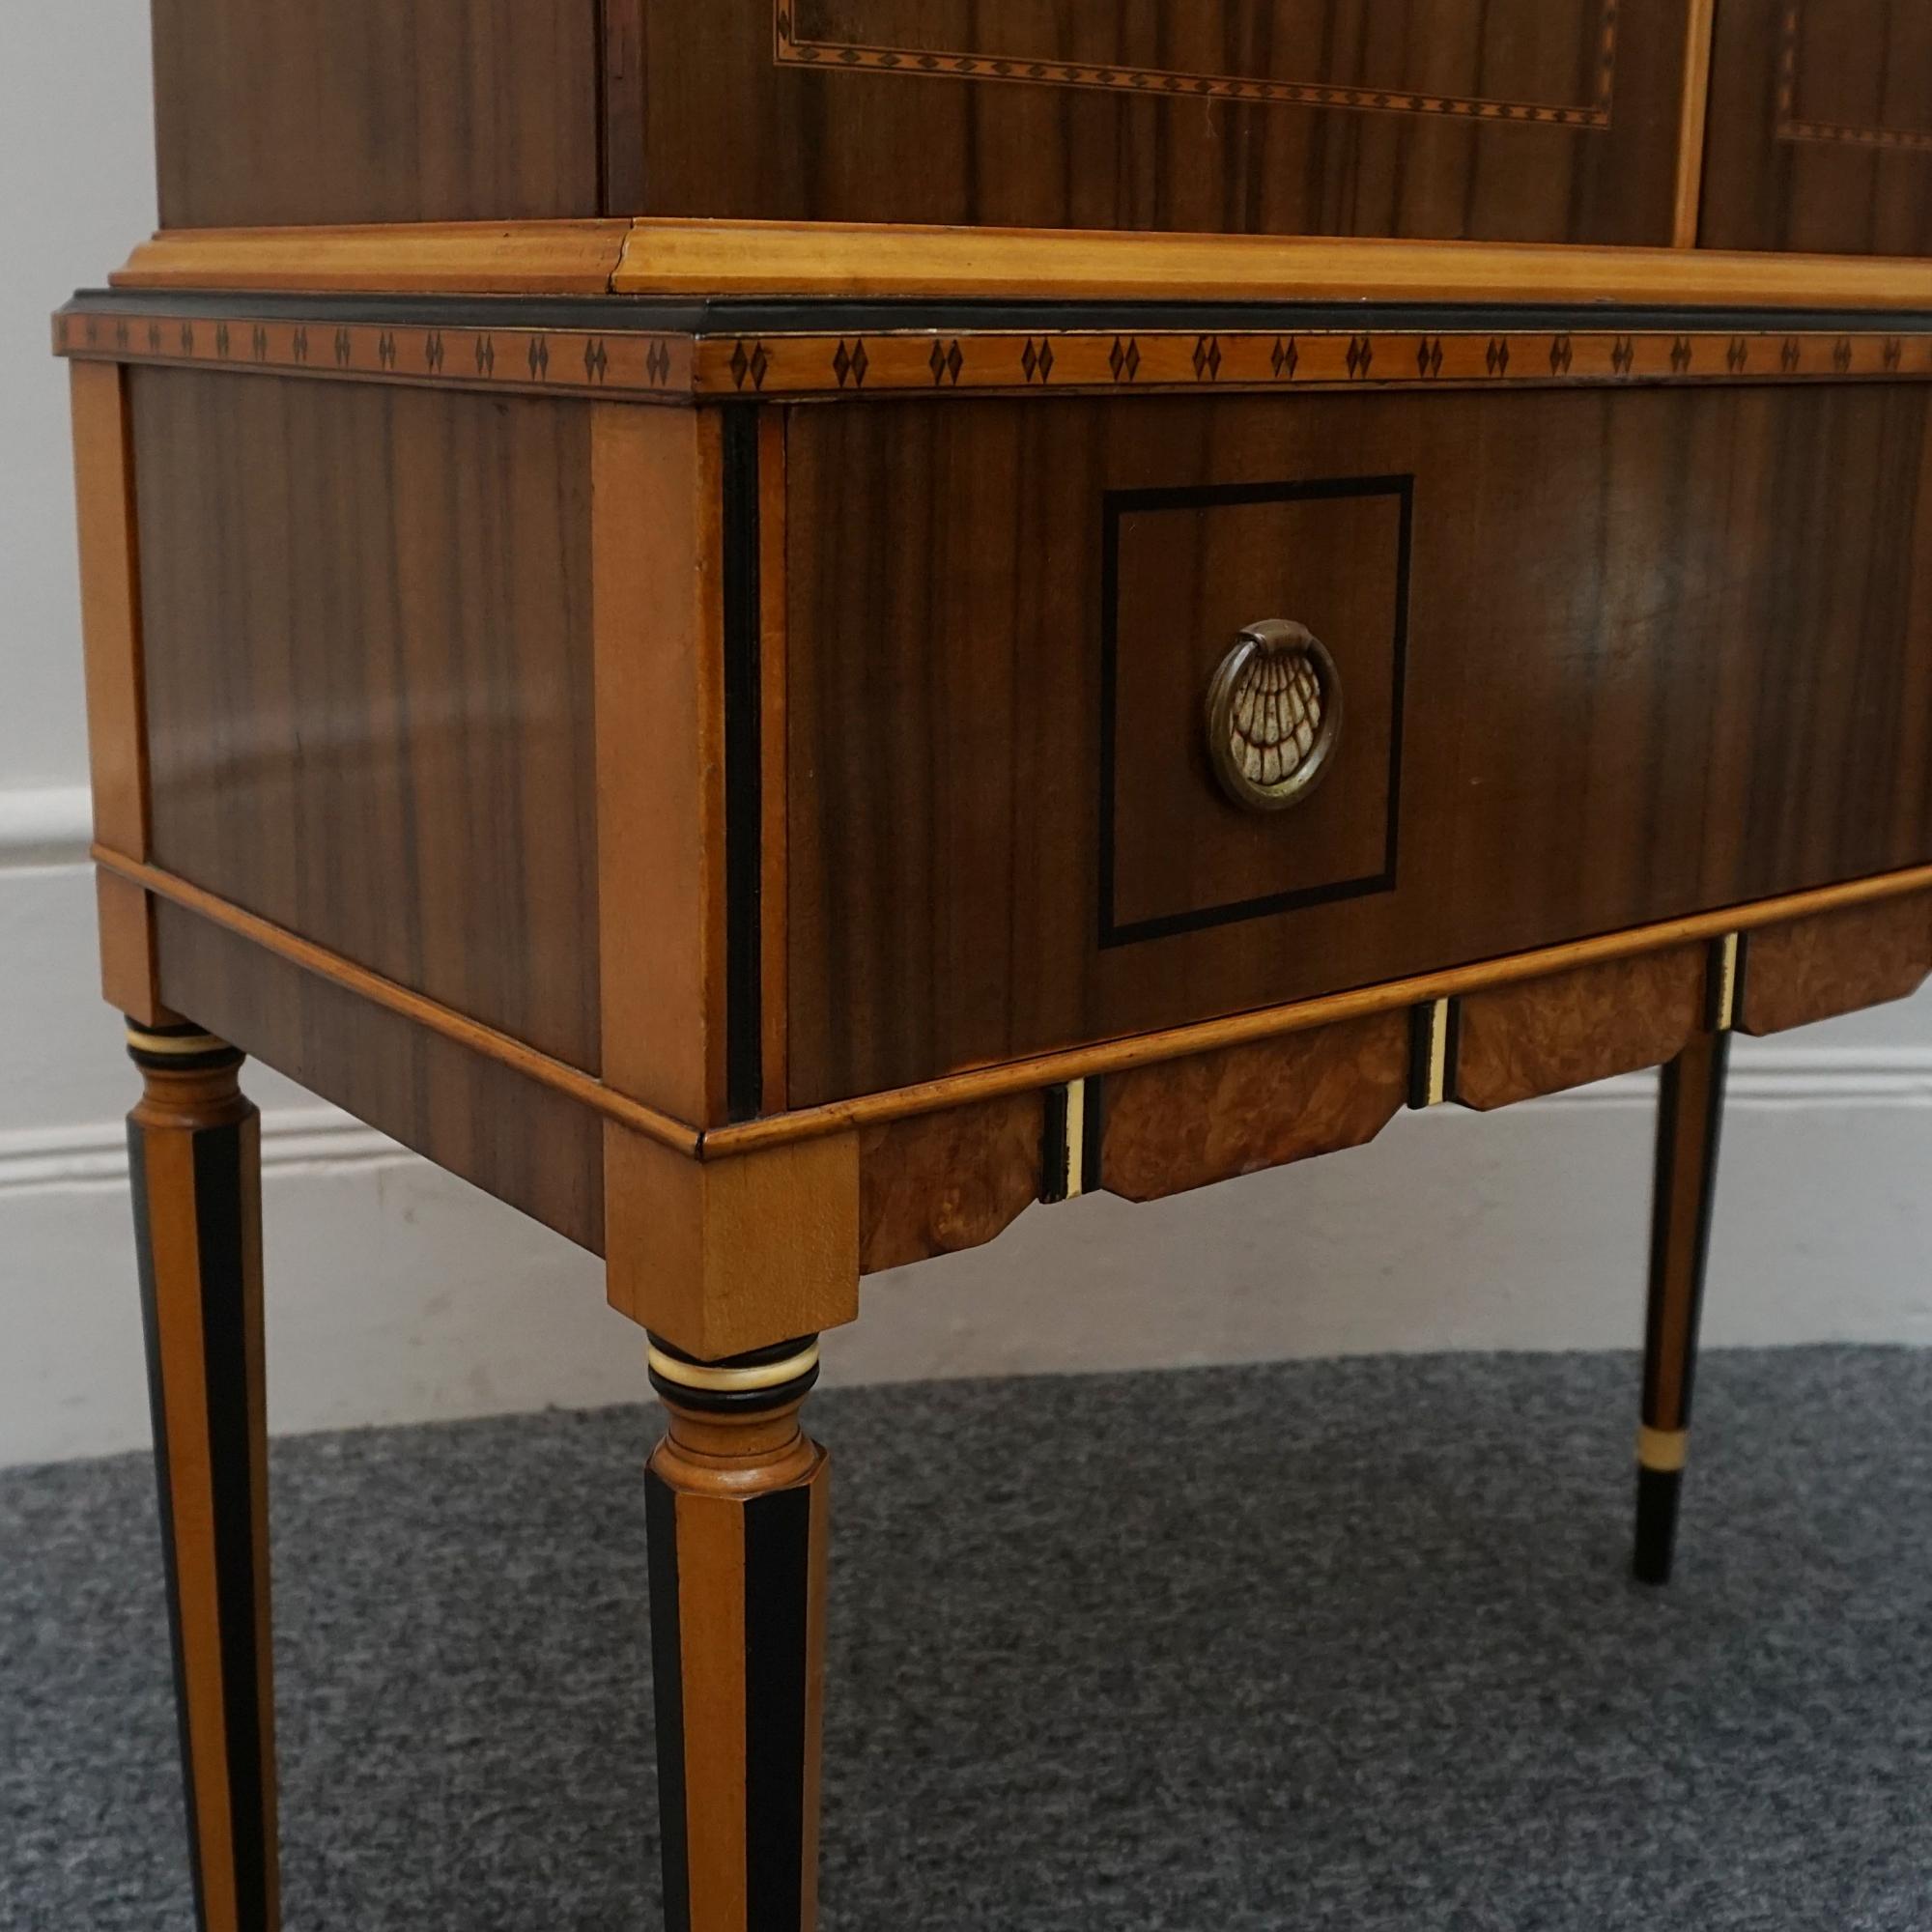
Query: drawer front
point(1601, 657)
point(1531, 120)
point(1821, 127)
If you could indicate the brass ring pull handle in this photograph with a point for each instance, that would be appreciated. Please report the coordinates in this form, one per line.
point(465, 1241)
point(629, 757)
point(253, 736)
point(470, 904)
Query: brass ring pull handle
point(1274, 716)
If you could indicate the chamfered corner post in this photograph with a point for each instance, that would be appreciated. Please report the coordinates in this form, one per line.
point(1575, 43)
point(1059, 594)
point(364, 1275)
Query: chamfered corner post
point(1690, 1106)
point(736, 1509)
point(194, 1152)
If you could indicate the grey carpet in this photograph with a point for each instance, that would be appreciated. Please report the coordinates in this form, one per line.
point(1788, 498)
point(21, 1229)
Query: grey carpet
point(1342, 1645)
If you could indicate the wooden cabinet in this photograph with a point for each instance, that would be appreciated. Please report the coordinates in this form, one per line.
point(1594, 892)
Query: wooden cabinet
point(779, 629)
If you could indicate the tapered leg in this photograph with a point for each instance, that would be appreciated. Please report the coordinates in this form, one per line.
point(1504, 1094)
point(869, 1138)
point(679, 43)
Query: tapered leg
point(194, 1149)
point(1689, 1118)
point(737, 1516)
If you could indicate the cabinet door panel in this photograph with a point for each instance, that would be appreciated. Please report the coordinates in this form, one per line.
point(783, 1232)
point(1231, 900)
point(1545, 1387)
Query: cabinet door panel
point(1606, 658)
point(1531, 120)
point(1821, 127)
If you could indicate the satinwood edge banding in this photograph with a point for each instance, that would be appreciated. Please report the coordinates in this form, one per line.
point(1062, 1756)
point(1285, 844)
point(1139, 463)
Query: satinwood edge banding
point(1020, 1077)
point(1700, 32)
point(425, 1012)
point(670, 256)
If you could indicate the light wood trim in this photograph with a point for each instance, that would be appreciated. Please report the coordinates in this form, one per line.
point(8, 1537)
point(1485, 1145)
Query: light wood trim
point(168, 1158)
point(457, 257)
point(657, 508)
point(748, 258)
point(774, 793)
point(1052, 1070)
point(691, 258)
point(110, 605)
point(130, 978)
point(319, 960)
point(711, 1615)
point(1178, 1042)
point(1698, 36)
point(720, 1257)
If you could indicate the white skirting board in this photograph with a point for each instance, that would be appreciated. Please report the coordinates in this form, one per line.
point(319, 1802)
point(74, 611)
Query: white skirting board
point(398, 1295)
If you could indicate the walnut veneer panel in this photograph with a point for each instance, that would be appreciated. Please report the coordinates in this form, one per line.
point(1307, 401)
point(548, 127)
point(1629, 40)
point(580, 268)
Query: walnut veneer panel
point(366, 629)
point(524, 1143)
point(1821, 127)
point(1552, 120)
point(287, 111)
point(1669, 650)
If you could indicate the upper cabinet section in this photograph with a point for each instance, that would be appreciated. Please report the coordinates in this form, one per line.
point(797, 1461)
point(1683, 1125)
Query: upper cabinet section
point(1520, 120)
point(322, 111)
point(1821, 127)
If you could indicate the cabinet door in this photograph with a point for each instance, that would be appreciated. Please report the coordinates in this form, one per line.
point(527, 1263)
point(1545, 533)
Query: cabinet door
point(270, 111)
point(1821, 127)
point(1521, 120)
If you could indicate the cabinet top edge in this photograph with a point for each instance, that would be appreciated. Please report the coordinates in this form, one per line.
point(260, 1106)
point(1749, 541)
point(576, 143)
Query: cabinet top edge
point(859, 262)
point(629, 349)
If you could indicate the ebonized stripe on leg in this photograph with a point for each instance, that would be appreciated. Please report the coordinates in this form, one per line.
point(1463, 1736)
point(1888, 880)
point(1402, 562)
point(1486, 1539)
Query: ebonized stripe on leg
point(227, 1320)
point(777, 1555)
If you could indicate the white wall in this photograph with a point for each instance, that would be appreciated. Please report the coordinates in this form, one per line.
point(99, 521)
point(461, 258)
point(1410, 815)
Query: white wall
point(397, 1293)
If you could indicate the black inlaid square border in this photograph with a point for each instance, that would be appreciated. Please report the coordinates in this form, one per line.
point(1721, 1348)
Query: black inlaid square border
point(1116, 505)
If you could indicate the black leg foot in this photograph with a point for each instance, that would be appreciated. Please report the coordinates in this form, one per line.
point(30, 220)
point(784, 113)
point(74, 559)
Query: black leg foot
point(1657, 1495)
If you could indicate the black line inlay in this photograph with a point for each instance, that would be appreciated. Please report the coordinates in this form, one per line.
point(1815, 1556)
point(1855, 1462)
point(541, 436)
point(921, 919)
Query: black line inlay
point(1092, 1135)
point(1421, 1052)
point(777, 1590)
point(667, 1681)
point(744, 772)
point(1053, 1175)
